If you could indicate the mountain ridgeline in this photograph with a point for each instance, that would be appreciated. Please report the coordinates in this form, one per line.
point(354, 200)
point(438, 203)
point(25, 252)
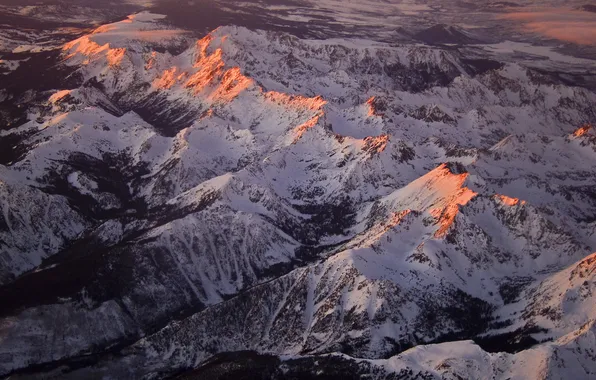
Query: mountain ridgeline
point(249, 202)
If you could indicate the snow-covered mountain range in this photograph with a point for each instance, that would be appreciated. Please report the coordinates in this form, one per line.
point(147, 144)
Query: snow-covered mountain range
point(175, 204)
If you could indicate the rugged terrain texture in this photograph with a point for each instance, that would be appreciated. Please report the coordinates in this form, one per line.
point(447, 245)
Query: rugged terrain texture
point(174, 205)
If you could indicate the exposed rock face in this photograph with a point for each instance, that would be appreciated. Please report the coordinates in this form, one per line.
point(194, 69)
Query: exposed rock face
point(250, 191)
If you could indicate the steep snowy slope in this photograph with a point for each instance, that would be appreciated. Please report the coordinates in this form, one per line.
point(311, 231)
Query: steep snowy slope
point(184, 197)
point(570, 356)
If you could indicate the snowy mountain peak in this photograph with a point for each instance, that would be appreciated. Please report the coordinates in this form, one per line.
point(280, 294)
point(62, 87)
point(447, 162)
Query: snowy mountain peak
point(509, 201)
point(583, 131)
point(113, 40)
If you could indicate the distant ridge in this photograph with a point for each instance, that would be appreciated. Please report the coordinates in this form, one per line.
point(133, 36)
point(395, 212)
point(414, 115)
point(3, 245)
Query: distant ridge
point(444, 34)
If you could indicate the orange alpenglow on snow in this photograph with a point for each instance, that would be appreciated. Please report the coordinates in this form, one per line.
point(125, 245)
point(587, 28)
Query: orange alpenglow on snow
point(169, 78)
point(207, 114)
point(375, 144)
point(510, 201)
point(585, 268)
point(210, 76)
point(59, 96)
point(296, 101)
point(210, 67)
point(450, 207)
point(301, 104)
point(302, 128)
point(84, 46)
point(582, 131)
point(397, 217)
point(109, 27)
point(372, 108)
point(211, 70)
point(105, 42)
point(233, 82)
point(115, 56)
point(89, 48)
point(150, 62)
point(202, 45)
point(446, 216)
